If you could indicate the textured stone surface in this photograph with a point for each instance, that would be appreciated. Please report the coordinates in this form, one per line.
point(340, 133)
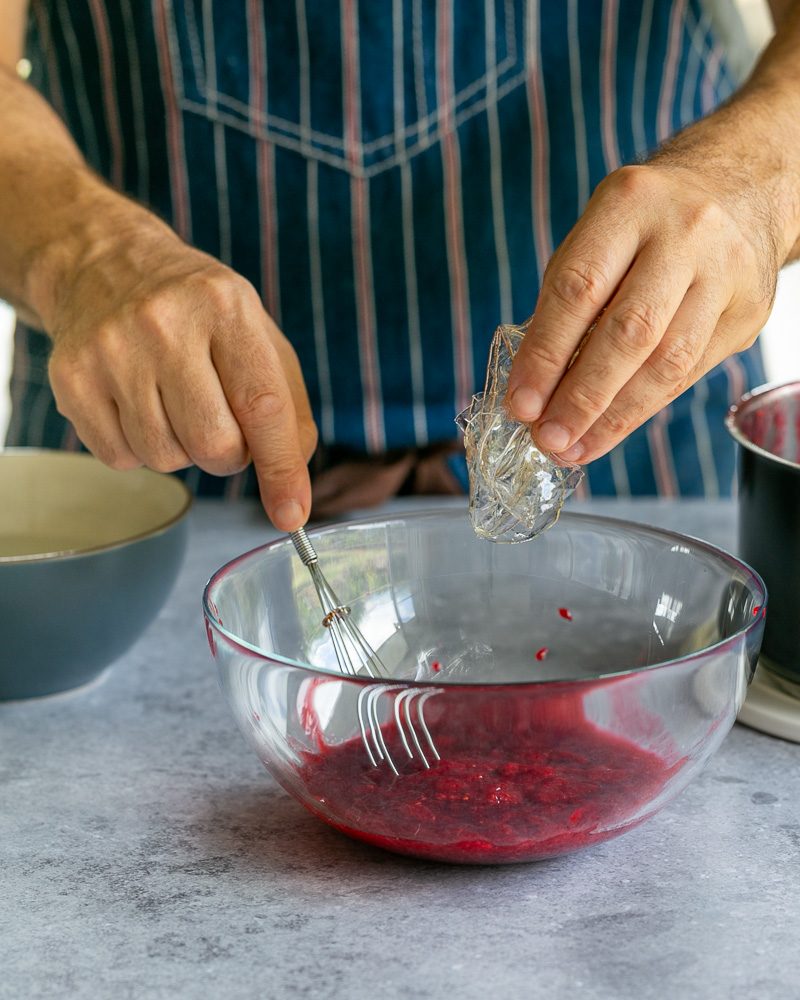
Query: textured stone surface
point(144, 853)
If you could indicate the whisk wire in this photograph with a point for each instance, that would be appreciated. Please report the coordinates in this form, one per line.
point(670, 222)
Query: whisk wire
point(355, 657)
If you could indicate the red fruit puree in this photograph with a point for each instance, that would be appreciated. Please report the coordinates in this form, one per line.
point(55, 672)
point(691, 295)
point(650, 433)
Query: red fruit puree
point(517, 780)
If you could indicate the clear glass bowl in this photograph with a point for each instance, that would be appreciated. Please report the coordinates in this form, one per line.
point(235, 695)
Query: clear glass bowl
point(570, 686)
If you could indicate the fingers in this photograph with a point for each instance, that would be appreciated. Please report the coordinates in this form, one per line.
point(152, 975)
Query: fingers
point(580, 280)
point(148, 430)
point(95, 417)
point(307, 429)
point(692, 345)
point(188, 368)
point(258, 393)
point(201, 418)
point(626, 335)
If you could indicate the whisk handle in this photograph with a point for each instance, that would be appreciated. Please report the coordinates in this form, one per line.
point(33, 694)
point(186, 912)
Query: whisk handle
point(305, 549)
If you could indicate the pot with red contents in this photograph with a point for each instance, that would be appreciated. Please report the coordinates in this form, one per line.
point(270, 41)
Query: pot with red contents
point(766, 425)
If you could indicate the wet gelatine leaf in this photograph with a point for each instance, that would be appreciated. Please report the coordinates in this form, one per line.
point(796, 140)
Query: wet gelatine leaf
point(515, 491)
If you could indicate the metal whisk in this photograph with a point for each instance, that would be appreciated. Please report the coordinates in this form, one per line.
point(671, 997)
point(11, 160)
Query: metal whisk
point(356, 657)
point(353, 653)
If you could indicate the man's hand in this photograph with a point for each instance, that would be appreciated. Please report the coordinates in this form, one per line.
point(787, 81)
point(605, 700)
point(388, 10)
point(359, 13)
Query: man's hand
point(164, 357)
point(676, 261)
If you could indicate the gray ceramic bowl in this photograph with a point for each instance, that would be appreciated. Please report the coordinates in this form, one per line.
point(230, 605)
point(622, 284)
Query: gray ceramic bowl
point(87, 558)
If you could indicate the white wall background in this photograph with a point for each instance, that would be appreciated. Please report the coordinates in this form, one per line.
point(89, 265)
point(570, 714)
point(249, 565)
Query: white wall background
point(781, 337)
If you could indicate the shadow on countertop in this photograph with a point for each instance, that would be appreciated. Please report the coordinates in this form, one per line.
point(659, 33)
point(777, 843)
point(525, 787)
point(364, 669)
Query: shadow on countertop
point(264, 831)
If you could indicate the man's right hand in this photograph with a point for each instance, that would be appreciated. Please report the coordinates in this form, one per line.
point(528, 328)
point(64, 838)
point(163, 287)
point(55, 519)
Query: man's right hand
point(165, 357)
point(162, 356)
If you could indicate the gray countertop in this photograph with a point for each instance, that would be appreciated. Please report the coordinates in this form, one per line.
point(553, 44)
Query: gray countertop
point(145, 853)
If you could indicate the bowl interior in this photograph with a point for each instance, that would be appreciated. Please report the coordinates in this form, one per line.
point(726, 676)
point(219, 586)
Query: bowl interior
point(57, 503)
point(592, 597)
point(769, 420)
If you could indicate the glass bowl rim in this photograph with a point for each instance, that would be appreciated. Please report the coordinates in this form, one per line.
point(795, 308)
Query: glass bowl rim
point(755, 581)
point(742, 406)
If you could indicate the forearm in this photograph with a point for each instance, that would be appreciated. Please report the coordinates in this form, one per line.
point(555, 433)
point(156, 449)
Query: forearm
point(56, 215)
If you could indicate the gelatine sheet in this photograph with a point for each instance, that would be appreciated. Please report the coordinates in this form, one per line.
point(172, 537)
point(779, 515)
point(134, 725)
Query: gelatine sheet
point(516, 491)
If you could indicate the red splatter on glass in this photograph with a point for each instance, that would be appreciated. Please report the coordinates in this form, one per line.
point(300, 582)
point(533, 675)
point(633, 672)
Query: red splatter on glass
point(565, 613)
point(210, 636)
point(541, 653)
point(436, 666)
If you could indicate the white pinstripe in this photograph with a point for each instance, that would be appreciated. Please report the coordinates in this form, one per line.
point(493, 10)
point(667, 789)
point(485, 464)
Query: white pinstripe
point(314, 253)
point(619, 471)
point(639, 77)
point(195, 50)
point(608, 83)
point(420, 412)
point(85, 113)
point(666, 99)
point(220, 158)
point(265, 163)
point(578, 114)
point(736, 374)
point(537, 113)
point(318, 305)
point(661, 453)
point(374, 428)
point(416, 358)
point(711, 72)
point(496, 173)
point(456, 252)
point(697, 29)
point(137, 98)
point(419, 61)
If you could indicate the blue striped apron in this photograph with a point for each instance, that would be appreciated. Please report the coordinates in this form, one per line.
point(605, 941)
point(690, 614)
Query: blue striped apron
point(393, 178)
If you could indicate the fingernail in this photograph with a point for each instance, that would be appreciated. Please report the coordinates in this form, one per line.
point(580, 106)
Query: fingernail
point(572, 454)
point(288, 516)
point(552, 436)
point(526, 404)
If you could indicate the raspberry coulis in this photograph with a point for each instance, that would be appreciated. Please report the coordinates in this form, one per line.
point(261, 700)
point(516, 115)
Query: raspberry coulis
point(517, 780)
